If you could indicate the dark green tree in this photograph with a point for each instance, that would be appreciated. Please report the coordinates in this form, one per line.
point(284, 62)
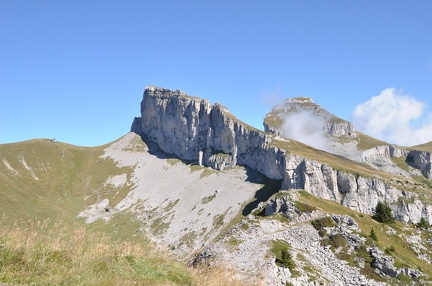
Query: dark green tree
point(286, 259)
point(383, 213)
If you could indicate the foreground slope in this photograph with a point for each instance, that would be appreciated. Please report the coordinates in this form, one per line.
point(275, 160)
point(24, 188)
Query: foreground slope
point(182, 207)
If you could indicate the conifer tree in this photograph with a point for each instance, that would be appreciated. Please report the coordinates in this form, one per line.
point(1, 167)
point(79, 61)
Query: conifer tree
point(383, 213)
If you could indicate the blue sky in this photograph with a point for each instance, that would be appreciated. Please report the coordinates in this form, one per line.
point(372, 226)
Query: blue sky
point(76, 70)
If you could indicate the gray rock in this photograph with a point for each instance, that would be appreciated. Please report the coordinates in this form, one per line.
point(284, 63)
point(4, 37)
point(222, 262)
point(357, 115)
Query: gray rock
point(421, 160)
point(383, 264)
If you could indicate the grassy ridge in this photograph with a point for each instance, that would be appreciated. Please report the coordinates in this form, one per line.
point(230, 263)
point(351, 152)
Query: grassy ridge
point(53, 180)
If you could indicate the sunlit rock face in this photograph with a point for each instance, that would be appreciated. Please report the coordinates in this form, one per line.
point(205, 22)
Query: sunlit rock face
point(187, 126)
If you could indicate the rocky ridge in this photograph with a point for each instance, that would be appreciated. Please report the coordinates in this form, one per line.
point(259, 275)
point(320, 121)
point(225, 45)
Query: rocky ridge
point(193, 130)
point(320, 250)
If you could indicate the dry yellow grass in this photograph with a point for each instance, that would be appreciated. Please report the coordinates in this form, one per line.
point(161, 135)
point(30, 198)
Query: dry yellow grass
point(47, 253)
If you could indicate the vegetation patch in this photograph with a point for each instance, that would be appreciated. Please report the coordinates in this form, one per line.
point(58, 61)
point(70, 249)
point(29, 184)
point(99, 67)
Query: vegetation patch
point(320, 223)
point(170, 205)
point(303, 207)
point(208, 199)
point(159, 226)
point(401, 163)
point(283, 258)
point(335, 241)
point(173, 161)
point(218, 220)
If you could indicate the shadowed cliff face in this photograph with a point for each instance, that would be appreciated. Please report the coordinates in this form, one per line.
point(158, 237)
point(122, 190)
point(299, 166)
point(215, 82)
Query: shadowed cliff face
point(193, 130)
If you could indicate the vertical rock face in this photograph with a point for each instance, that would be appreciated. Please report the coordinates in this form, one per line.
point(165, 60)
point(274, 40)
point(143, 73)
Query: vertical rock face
point(184, 126)
point(194, 130)
point(420, 160)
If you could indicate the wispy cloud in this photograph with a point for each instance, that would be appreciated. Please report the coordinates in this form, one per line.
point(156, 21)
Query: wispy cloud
point(306, 127)
point(394, 117)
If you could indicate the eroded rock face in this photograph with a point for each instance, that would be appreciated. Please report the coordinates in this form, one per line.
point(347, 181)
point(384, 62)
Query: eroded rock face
point(185, 126)
point(420, 160)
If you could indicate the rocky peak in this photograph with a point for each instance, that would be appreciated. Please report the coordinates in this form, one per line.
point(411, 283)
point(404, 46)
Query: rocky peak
point(291, 108)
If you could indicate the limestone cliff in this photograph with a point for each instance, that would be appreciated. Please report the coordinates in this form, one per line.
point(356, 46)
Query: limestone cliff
point(421, 160)
point(193, 130)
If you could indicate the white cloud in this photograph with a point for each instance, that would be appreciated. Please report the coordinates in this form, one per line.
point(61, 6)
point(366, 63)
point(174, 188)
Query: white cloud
point(306, 127)
point(395, 118)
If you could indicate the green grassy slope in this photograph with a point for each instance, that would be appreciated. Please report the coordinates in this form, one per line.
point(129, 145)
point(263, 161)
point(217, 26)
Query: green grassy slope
point(43, 187)
point(49, 180)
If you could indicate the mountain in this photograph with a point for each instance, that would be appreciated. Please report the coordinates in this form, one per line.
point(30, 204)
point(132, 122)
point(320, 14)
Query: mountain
point(211, 189)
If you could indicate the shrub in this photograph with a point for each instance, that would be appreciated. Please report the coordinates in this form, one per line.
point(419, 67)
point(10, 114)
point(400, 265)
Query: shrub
point(338, 241)
point(304, 208)
point(326, 221)
point(283, 256)
point(423, 223)
point(383, 213)
point(285, 260)
point(373, 235)
point(389, 250)
point(322, 233)
point(335, 241)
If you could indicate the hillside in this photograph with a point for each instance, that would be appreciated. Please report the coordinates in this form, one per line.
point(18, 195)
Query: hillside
point(205, 187)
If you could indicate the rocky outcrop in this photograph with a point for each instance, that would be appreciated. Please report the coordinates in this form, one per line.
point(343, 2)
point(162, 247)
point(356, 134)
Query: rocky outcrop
point(194, 130)
point(184, 126)
point(340, 128)
point(420, 160)
point(383, 151)
point(384, 265)
point(356, 192)
point(330, 124)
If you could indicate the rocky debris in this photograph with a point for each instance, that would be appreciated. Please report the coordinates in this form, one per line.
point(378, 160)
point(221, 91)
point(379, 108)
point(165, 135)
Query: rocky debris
point(244, 250)
point(221, 161)
point(282, 203)
point(384, 265)
point(379, 157)
point(181, 207)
